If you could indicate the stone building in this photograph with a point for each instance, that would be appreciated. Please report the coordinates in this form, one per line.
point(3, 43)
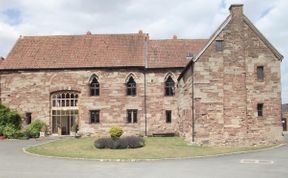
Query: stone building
point(235, 86)
point(222, 90)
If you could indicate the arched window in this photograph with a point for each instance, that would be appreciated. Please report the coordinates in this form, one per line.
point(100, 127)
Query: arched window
point(169, 86)
point(62, 100)
point(94, 87)
point(131, 86)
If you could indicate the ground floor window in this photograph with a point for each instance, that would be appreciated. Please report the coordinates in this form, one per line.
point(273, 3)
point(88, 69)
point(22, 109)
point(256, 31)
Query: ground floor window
point(28, 118)
point(260, 109)
point(168, 116)
point(94, 116)
point(132, 115)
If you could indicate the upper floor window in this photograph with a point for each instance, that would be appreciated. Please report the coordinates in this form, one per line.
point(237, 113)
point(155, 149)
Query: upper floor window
point(69, 99)
point(94, 87)
point(131, 86)
point(132, 115)
point(219, 45)
point(95, 116)
point(260, 107)
point(169, 87)
point(260, 73)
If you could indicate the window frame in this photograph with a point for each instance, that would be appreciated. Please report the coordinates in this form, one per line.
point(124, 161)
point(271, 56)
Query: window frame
point(94, 87)
point(96, 114)
point(219, 45)
point(133, 119)
point(260, 73)
point(131, 87)
point(169, 90)
point(28, 118)
point(260, 109)
point(168, 115)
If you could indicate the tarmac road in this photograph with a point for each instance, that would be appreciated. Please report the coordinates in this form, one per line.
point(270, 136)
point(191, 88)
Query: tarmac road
point(263, 164)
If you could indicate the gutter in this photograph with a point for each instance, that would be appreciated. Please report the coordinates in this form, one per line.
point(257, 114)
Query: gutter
point(145, 85)
point(193, 104)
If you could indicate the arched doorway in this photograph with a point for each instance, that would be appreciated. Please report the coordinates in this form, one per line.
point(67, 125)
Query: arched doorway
point(64, 111)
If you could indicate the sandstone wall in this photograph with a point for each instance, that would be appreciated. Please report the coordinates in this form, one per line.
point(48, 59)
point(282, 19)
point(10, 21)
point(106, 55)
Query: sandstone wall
point(226, 90)
point(28, 91)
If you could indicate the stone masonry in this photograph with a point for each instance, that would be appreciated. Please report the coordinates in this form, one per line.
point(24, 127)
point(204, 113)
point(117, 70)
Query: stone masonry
point(216, 97)
point(226, 89)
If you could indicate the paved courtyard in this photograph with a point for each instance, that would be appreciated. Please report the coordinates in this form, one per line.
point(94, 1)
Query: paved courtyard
point(264, 164)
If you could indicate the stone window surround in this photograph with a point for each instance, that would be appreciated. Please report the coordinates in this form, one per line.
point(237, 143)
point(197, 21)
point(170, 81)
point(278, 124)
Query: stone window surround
point(96, 118)
point(132, 116)
point(260, 73)
point(169, 86)
point(260, 109)
point(168, 114)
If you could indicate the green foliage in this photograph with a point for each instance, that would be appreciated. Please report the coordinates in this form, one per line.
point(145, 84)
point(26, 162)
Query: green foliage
point(74, 128)
point(1, 129)
point(10, 131)
point(8, 117)
point(33, 129)
point(116, 132)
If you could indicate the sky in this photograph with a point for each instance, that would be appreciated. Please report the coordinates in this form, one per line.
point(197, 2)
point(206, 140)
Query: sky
point(160, 18)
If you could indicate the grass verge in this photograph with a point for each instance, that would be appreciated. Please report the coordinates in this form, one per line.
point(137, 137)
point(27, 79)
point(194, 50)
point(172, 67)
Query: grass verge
point(156, 148)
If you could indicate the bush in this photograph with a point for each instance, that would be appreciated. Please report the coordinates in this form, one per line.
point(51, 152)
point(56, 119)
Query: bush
point(121, 143)
point(135, 142)
point(116, 132)
point(33, 129)
point(1, 129)
point(8, 117)
point(10, 131)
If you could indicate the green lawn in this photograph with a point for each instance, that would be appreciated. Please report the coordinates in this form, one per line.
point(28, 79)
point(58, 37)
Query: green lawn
point(155, 148)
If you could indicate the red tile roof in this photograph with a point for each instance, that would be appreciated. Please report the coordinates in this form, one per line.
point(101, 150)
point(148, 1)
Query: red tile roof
point(81, 51)
point(173, 52)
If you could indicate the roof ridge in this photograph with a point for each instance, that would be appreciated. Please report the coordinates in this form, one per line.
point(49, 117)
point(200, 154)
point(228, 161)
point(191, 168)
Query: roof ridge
point(78, 35)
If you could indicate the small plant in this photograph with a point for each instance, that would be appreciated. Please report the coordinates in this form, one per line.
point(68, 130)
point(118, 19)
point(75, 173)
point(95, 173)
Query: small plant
point(74, 128)
point(44, 128)
point(33, 129)
point(116, 132)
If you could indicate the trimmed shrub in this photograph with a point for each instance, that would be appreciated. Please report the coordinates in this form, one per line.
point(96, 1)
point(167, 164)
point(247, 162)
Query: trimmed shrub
point(33, 129)
point(135, 142)
point(116, 132)
point(121, 143)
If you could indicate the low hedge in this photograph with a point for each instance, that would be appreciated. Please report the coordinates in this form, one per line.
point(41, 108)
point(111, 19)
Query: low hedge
point(120, 143)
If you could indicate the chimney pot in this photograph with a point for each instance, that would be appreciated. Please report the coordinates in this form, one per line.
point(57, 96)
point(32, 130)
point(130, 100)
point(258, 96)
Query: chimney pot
point(88, 33)
point(140, 32)
point(174, 37)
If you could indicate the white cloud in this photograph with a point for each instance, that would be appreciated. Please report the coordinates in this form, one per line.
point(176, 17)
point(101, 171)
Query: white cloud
point(160, 18)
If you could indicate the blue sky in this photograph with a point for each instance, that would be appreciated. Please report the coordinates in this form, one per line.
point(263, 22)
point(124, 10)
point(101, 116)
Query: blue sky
point(160, 18)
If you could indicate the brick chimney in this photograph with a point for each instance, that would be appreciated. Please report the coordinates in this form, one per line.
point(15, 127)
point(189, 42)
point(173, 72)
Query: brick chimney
point(236, 10)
